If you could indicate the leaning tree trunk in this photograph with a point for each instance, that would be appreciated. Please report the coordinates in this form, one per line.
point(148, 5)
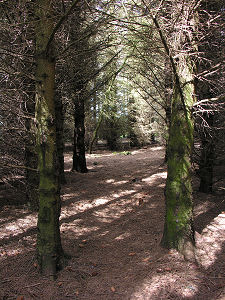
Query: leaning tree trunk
point(49, 246)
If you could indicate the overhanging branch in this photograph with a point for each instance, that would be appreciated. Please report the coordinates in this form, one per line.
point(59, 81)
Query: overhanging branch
point(60, 22)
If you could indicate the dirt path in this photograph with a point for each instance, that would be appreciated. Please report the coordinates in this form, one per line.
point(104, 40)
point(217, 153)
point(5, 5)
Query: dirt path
point(112, 222)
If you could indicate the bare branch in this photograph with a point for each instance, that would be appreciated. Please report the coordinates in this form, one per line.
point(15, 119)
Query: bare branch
point(60, 22)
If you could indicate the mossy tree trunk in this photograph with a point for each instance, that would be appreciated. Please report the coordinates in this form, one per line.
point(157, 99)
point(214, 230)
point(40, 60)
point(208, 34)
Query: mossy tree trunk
point(178, 228)
point(49, 246)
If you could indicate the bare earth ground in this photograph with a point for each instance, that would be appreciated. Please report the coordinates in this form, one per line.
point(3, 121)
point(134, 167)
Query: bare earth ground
point(111, 223)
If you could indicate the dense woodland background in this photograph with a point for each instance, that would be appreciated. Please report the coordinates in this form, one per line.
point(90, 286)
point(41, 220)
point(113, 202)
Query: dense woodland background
point(77, 74)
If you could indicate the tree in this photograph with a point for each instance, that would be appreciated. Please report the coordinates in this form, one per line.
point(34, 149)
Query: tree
point(60, 115)
point(79, 76)
point(209, 86)
point(49, 246)
point(178, 227)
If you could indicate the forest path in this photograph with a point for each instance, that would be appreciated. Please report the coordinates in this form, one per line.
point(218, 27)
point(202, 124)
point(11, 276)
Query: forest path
point(111, 224)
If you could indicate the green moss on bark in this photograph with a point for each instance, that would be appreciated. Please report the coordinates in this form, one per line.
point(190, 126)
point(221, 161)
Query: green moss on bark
point(178, 228)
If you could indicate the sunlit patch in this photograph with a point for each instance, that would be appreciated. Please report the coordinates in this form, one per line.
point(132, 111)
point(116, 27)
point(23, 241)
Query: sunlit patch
point(68, 196)
point(20, 226)
point(110, 180)
point(165, 287)
point(122, 236)
point(155, 176)
point(120, 182)
point(19, 233)
point(12, 252)
point(102, 212)
point(161, 185)
point(102, 216)
point(78, 229)
point(123, 193)
point(157, 148)
point(101, 201)
point(212, 237)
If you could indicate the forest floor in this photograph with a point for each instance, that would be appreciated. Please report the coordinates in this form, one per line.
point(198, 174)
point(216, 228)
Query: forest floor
point(111, 225)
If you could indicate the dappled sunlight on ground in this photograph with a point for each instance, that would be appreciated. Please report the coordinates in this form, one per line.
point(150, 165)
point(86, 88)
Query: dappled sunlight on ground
point(150, 179)
point(210, 242)
point(111, 224)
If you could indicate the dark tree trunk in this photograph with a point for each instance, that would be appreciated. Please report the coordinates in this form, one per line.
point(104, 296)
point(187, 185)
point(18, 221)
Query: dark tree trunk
point(211, 54)
point(79, 70)
point(79, 158)
point(206, 164)
point(59, 135)
point(112, 134)
point(31, 159)
point(168, 99)
point(30, 154)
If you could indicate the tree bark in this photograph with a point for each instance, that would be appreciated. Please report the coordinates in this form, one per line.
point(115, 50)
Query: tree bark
point(30, 157)
point(168, 99)
point(59, 135)
point(207, 88)
point(49, 246)
point(79, 72)
point(206, 163)
point(79, 159)
point(178, 227)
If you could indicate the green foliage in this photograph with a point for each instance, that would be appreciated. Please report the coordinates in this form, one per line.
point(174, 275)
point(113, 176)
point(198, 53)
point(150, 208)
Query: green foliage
point(126, 153)
point(123, 153)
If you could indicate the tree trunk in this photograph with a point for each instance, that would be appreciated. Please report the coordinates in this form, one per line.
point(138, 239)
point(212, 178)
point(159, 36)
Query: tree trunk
point(178, 229)
point(31, 163)
point(49, 246)
point(30, 155)
point(79, 70)
point(206, 163)
point(168, 99)
point(59, 135)
point(95, 133)
point(79, 159)
point(206, 89)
